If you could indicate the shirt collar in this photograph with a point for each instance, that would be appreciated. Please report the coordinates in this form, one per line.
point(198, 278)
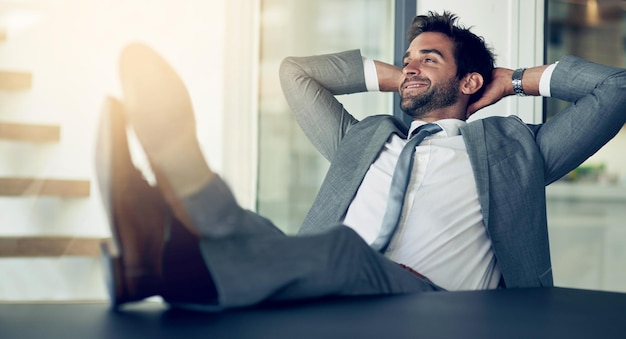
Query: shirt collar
point(450, 127)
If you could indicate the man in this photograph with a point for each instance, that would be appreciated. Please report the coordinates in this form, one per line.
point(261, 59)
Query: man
point(473, 216)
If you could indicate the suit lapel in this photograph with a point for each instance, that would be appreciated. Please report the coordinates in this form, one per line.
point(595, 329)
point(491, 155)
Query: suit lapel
point(474, 137)
point(348, 169)
point(349, 181)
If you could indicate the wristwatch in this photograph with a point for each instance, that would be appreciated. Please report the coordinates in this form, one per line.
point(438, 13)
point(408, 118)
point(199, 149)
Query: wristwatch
point(517, 82)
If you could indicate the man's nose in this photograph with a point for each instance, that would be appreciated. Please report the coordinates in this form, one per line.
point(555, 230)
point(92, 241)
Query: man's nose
point(411, 69)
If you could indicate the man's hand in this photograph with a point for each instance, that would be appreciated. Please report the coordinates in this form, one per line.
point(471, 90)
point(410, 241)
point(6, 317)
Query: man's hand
point(499, 88)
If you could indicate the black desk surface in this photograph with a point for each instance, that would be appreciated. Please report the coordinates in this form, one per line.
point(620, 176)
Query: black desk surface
point(515, 313)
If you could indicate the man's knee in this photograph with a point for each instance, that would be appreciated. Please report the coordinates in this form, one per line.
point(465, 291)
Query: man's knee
point(345, 233)
point(345, 239)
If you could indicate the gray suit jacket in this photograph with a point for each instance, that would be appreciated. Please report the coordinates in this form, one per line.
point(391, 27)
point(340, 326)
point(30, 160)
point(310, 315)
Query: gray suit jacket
point(512, 162)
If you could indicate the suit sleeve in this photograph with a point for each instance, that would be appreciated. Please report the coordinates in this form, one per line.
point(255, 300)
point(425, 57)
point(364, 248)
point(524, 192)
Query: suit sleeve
point(596, 114)
point(310, 85)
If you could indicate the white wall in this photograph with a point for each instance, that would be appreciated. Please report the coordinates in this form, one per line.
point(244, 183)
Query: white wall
point(241, 99)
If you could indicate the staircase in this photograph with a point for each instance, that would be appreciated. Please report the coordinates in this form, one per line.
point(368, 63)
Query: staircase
point(41, 266)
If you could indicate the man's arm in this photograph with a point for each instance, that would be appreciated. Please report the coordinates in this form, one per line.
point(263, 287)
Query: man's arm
point(310, 85)
point(389, 76)
point(598, 110)
point(597, 113)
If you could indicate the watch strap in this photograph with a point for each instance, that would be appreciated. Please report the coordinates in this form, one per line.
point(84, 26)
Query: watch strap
point(516, 80)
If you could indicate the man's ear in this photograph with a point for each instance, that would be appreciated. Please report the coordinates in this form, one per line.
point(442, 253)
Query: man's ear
point(471, 83)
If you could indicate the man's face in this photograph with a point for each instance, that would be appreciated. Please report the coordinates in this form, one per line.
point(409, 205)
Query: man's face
point(430, 82)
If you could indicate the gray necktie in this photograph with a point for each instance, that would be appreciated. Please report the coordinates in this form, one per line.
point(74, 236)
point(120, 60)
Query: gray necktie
point(400, 180)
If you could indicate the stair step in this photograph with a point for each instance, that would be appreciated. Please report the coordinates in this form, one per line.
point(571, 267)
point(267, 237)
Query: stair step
point(44, 187)
point(49, 246)
point(15, 80)
point(30, 132)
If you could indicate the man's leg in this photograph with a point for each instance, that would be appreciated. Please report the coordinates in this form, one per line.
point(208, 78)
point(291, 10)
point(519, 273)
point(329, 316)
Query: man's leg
point(248, 258)
point(251, 270)
point(251, 264)
point(151, 253)
point(137, 213)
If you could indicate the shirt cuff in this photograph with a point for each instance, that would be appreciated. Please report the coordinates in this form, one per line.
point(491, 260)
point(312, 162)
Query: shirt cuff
point(544, 82)
point(371, 77)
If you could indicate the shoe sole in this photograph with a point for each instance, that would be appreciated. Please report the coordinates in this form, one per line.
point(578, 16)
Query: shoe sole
point(160, 111)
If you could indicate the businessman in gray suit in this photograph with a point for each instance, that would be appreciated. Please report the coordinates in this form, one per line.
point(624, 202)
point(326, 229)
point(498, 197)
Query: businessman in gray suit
point(473, 215)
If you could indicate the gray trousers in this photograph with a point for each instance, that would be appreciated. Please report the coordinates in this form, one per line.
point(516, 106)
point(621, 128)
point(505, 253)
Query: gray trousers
point(252, 261)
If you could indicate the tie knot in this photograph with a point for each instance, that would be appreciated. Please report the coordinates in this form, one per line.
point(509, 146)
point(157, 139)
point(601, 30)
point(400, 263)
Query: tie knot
point(426, 129)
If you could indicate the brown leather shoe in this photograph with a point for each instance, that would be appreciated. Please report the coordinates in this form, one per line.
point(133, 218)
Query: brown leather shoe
point(160, 111)
point(138, 215)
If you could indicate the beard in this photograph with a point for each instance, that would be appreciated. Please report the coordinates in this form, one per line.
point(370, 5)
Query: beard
point(436, 97)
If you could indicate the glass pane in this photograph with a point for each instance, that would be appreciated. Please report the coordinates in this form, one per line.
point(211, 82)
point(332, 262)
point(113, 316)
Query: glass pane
point(290, 169)
point(586, 209)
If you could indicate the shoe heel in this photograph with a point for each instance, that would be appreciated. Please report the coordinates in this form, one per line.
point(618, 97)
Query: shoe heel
point(111, 275)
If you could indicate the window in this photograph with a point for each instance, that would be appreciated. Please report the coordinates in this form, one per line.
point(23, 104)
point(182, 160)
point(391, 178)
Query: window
point(290, 169)
point(586, 209)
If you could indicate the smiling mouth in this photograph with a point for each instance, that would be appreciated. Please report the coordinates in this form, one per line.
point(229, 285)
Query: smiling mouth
point(414, 83)
point(413, 86)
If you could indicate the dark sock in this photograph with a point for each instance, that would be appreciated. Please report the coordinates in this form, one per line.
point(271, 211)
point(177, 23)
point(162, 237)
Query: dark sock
point(186, 278)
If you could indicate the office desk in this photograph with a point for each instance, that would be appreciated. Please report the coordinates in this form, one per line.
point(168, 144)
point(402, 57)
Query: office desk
point(515, 313)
